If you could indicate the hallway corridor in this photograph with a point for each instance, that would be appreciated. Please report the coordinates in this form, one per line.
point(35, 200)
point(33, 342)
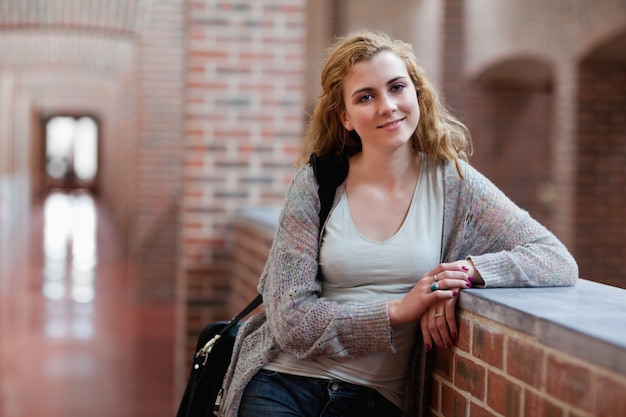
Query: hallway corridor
point(74, 341)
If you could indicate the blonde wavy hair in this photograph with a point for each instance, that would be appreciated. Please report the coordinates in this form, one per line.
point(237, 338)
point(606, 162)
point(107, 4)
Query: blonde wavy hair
point(439, 135)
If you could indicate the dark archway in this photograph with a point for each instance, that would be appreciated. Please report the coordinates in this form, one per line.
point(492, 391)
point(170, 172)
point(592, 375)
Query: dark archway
point(509, 112)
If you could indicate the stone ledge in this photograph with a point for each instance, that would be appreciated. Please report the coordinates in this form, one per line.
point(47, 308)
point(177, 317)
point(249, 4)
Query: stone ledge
point(265, 216)
point(587, 320)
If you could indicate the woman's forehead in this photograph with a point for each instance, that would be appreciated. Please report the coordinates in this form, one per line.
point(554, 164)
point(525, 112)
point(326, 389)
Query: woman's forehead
point(382, 67)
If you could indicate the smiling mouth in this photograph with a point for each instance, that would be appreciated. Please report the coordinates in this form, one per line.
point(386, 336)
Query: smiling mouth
point(391, 124)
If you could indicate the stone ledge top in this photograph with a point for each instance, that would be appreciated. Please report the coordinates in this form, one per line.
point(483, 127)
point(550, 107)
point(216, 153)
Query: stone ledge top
point(266, 216)
point(587, 320)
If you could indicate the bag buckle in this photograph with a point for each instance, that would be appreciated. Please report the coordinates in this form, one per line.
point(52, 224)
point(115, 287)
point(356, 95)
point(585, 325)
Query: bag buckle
point(206, 349)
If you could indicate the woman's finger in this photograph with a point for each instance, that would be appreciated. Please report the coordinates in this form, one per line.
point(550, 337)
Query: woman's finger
point(450, 307)
point(432, 326)
point(448, 328)
point(428, 340)
point(456, 283)
point(439, 323)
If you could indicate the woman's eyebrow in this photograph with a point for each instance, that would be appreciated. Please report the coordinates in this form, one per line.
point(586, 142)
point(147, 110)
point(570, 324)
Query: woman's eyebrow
point(368, 89)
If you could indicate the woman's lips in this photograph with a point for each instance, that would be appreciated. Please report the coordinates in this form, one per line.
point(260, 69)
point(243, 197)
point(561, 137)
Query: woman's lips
point(393, 123)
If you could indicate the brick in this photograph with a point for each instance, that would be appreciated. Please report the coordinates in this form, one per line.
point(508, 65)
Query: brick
point(569, 382)
point(610, 397)
point(464, 325)
point(478, 411)
point(453, 404)
point(435, 394)
point(488, 344)
point(503, 395)
point(444, 363)
point(525, 362)
point(471, 377)
point(539, 406)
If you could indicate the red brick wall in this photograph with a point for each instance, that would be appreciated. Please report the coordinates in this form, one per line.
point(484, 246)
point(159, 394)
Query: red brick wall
point(244, 112)
point(495, 371)
point(453, 82)
point(251, 245)
point(601, 172)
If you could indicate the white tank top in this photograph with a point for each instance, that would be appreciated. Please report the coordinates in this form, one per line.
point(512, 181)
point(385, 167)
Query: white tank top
point(358, 269)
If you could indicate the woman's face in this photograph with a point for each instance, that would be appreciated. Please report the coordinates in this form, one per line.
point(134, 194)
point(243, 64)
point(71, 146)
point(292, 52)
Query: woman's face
point(380, 102)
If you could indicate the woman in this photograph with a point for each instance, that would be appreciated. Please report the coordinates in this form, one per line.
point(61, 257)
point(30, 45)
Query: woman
point(350, 305)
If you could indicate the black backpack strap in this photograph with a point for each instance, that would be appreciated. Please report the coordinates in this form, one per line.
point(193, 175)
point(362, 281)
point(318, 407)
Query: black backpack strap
point(330, 172)
point(243, 313)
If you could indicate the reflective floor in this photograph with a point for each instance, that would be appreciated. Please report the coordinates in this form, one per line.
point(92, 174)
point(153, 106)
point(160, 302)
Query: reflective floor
point(74, 341)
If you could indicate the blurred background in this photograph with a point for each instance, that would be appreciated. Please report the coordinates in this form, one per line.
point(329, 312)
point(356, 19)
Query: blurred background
point(131, 132)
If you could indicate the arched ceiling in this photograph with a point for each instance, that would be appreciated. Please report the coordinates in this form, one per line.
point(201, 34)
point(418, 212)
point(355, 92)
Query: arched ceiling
point(612, 50)
point(517, 71)
point(123, 16)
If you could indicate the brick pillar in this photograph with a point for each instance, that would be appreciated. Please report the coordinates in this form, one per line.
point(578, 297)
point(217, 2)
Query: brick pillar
point(453, 81)
point(244, 116)
point(158, 150)
point(564, 153)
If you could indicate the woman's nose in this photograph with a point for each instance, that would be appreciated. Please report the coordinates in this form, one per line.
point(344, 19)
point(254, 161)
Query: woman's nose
point(387, 105)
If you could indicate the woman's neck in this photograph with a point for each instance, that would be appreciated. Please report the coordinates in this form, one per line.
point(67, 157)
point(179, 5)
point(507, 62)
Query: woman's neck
point(391, 171)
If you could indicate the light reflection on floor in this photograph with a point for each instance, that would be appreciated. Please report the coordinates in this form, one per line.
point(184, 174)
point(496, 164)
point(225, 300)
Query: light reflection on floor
point(69, 247)
point(69, 262)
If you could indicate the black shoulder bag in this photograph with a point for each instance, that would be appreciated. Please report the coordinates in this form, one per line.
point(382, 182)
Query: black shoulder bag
point(214, 349)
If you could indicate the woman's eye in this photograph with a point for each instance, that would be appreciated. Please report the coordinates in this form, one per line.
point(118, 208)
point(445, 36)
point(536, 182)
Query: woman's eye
point(364, 98)
point(398, 87)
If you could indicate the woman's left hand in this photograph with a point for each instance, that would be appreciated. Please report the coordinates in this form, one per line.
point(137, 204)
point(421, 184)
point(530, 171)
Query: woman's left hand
point(439, 327)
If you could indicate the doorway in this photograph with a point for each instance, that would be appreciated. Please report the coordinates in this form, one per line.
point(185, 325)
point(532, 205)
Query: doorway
point(71, 152)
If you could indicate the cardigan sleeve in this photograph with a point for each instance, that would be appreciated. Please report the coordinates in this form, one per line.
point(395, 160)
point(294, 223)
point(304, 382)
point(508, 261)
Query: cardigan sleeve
point(304, 323)
point(507, 246)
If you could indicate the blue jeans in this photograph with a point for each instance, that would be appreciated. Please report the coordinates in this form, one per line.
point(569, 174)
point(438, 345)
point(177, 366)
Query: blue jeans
point(274, 394)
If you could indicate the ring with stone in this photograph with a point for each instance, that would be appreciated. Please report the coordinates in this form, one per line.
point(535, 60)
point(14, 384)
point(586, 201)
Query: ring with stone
point(434, 287)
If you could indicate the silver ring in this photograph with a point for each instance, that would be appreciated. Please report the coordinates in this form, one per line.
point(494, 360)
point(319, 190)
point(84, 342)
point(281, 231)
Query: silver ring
point(438, 315)
point(436, 280)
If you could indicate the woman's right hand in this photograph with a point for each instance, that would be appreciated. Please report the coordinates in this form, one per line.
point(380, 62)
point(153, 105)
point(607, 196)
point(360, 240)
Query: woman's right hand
point(441, 283)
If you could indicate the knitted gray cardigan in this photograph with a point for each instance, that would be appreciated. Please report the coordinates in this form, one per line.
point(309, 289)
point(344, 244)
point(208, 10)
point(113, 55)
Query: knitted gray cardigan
point(507, 246)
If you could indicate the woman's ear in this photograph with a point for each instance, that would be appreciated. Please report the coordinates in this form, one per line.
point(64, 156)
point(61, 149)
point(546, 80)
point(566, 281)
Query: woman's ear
point(345, 120)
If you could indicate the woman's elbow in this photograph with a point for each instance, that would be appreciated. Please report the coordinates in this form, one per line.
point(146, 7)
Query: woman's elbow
point(568, 271)
point(572, 276)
